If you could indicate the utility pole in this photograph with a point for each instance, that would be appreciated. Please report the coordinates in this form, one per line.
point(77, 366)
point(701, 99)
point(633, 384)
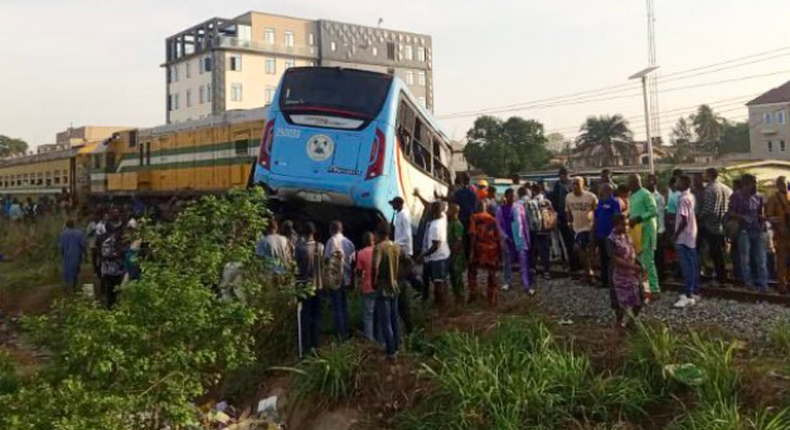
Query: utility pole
point(643, 76)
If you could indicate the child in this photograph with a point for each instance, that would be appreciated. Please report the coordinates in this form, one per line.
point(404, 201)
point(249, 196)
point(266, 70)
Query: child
point(364, 270)
point(455, 238)
point(624, 290)
point(486, 252)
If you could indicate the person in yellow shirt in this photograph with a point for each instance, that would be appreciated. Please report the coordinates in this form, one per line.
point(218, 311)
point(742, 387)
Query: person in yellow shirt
point(778, 213)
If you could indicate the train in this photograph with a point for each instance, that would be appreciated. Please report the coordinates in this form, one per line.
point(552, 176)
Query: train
point(338, 144)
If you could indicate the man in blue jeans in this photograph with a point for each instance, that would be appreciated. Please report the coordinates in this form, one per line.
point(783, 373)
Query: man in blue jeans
point(686, 243)
point(339, 246)
point(386, 259)
point(748, 208)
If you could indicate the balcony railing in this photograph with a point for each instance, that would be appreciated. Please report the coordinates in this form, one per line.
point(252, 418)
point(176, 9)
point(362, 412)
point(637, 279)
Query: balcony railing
point(268, 48)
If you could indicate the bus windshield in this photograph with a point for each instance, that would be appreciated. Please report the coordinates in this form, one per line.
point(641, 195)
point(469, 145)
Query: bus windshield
point(344, 91)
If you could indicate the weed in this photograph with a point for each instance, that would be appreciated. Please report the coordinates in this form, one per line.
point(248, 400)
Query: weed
point(519, 377)
point(716, 361)
point(779, 335)
point(332, 374)
point(650, 349)
point(727, 415)
point(9, 377)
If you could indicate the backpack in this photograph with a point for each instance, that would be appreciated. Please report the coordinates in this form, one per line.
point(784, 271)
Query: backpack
point(333, 270)
point(548, 217)
point(534, 215)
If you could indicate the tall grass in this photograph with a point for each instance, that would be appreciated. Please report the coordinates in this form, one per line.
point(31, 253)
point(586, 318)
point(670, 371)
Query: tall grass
point(332, 374)
point(518, 378)
point(650, 350)
point(728, 416)
point(33, 250)
point(779, 335)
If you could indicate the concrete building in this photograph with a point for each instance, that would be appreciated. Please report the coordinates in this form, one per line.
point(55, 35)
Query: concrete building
point(226, 64)
point(769, 128)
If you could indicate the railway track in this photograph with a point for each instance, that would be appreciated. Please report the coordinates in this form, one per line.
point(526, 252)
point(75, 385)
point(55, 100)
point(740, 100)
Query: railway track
point(727, 292)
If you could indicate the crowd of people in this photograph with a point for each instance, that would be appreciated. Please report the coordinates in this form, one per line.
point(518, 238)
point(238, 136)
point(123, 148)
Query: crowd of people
point(29, 209)
point(635, 234)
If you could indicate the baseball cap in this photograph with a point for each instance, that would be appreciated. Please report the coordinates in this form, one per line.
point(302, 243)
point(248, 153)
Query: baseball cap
point(396, 200)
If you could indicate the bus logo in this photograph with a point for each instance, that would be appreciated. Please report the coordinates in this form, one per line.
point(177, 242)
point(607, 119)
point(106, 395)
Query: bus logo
point(320, 147)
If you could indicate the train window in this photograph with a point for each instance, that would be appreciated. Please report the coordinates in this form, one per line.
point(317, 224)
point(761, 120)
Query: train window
point(96, 162)
point(109, 162)
point(56, 179)
point(142, 154)
point(133, 138)
point(148, 153)
point(242, 147)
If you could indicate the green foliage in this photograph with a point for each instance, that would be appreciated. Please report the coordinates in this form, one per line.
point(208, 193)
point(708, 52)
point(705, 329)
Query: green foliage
point(716, 361)
point(9, 378)
point(650, 350)
point(503, 148)
point(11, 146)
point(332, 374)
point(735, 137)
point(168, 340)
point(708, 127)
point(517, 378)
point(33, 249)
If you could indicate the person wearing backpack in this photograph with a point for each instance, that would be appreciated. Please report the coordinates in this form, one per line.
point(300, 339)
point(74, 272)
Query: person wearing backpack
point(543, 221)
point(386, 258)
point(339, 254)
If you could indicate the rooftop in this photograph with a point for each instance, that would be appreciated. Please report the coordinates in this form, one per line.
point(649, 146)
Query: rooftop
point(777, 95)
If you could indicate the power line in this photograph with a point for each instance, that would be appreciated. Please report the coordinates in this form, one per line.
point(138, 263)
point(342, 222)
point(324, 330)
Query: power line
point(621, 87)
point(639, 94)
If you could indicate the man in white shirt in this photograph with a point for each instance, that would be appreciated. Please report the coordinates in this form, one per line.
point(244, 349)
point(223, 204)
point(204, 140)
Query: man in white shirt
point(436, 254)
point(402, 232)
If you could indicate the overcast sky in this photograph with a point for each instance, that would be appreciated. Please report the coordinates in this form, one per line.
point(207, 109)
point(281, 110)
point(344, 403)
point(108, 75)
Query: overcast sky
point(86, 62)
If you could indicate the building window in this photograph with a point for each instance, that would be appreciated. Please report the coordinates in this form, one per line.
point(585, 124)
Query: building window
point(766, 117)
point(235, 92)
point(421, 78)
point(235, 62)
point(290, 62)
point(201, 94)
point(311, 39)
point(410, 77)
point(289, 38)
point(424, 102)
point(174, 73)
point(175, 101)
point(770, 146)
point(421, 53)
point(189, 98)
point(269, 95)
point(375, 51)
point(780, 117)
point(205, 64)
point(209, 94)
point(391, 50)
point(271, 66)
point(409, 53)
point(333, 46)
point(189, 69)
point(782, 147)
point(269, 36)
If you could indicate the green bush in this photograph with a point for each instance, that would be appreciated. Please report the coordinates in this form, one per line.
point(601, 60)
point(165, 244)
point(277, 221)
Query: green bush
point(170, 338)
point(9, 377)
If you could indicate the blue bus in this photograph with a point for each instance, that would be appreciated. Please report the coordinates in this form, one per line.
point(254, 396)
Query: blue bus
point(341, 143)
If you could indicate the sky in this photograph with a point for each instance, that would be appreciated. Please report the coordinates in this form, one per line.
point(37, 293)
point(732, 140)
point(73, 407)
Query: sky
point(84, 62)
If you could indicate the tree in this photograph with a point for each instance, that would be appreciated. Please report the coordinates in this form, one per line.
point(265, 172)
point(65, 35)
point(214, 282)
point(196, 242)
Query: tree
point(682, 133)
point(606, 137)
point(10, 146)
point(503, 148)
point(708, 127)
point(556, 142)
point(735, 137)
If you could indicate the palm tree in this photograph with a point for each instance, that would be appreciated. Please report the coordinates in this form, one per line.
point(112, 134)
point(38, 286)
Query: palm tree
point(708, 126)
point(606, 138)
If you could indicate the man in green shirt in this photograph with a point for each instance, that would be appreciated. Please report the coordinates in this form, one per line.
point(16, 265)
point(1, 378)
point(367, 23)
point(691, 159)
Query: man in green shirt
point(643, 210)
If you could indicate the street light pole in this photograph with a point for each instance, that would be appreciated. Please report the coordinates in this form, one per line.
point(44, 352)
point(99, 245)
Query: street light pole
point(647, 126)
point(643, 76)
